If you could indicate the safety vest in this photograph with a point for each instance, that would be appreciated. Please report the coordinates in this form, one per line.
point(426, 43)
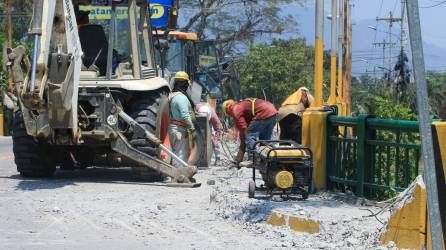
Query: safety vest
point(253, 105)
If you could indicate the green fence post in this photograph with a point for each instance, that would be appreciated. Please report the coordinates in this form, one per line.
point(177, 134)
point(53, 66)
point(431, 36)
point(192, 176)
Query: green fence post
point(330, 151)
point(361, 163)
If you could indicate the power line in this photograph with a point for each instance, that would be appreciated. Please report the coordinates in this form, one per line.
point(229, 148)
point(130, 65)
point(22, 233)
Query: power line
point(432, 6)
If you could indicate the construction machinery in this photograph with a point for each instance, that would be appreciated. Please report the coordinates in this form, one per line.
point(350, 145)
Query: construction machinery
point(215, 77)
point(285, 166)
point(184, 51)
point(91, 94)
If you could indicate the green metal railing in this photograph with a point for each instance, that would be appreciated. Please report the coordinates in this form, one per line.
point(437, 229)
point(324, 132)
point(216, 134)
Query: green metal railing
point(372, 157)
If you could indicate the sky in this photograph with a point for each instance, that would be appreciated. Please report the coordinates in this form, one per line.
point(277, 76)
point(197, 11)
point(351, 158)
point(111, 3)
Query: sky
point(432, 19)
point(364, 13)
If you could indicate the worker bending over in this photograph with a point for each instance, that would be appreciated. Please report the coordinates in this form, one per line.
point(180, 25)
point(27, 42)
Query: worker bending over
point(215, 124)
point(290, 114)
point(181, 127)
point(214, 121)
point(254, 118)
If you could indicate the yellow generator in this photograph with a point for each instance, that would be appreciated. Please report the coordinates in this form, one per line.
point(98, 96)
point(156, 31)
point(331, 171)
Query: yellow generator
point(285, 166)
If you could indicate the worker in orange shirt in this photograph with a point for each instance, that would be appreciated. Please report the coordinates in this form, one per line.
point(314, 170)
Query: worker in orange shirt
point(290, 114)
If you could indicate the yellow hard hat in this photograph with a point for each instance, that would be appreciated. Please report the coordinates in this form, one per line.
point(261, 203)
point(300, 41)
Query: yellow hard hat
point(181, 75)
point(226, 105)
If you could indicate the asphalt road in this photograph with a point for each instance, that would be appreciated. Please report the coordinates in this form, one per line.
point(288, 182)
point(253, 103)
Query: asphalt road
point(107, 209)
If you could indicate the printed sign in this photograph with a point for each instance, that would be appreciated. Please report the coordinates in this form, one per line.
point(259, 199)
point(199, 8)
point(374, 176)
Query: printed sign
point(159, 10)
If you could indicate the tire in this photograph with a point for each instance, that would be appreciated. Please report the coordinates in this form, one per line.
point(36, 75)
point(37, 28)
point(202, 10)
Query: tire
point(32, 157)
point(151, 110)
point(251, 189)
point(201, 153)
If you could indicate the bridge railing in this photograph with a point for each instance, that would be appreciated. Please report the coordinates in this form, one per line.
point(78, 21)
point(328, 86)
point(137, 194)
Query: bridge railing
point(372, 157)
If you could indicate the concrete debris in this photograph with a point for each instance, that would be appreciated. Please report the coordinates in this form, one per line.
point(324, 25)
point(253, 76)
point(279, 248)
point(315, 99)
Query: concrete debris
point(210, 182)
point(341, 222)
point(390, 245)
point(99, 212)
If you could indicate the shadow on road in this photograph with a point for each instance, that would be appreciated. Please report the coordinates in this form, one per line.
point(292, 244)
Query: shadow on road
point(64, 178)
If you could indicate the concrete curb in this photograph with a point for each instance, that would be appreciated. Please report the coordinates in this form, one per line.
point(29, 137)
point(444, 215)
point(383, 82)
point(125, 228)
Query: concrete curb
point(294, 223)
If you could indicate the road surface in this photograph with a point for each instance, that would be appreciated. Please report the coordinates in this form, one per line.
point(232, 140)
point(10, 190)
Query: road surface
point(107, 209)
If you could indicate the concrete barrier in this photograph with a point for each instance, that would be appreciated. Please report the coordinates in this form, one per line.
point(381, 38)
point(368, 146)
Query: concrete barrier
point(439, 134)
point(407, 225)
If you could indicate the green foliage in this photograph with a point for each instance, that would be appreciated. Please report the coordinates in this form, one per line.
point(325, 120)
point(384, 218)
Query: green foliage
point(436, 83)
point(377, 96)
point(386, 109)
point(277, 70)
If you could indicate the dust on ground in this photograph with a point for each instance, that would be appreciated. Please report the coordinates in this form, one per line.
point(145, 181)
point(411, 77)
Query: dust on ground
point(102, 208)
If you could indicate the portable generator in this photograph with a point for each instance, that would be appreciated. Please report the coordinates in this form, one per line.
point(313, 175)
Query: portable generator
point(285, 166)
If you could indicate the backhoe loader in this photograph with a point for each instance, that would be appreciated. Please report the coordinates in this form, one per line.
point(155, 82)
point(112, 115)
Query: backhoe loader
point(90, 94)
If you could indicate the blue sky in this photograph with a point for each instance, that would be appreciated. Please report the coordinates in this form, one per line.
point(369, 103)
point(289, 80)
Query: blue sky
point(364, 14)
point(432, 19)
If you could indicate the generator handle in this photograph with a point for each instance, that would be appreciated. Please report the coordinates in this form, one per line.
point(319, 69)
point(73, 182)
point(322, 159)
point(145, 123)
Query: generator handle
point(293, 143)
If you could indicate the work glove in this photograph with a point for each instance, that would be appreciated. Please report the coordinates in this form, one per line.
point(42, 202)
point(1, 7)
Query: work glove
point(240, 155)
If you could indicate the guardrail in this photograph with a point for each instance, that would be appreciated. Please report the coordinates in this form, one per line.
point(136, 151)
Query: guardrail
point(372, 157)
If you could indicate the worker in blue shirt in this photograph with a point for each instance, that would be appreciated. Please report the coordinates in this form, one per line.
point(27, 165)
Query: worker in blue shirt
point(181, 128)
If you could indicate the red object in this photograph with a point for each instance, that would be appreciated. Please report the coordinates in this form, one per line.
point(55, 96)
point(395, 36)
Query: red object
point(241, 113)
point(178, 123)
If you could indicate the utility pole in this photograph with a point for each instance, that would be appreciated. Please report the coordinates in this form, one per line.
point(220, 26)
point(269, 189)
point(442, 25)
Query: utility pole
point(340, 51)
point(334, 14)
point(9, 24)
point(384, 44)
point(347, 54)
point(403, 28)
point(390, 20)
point(319, 54)
point(427, 148)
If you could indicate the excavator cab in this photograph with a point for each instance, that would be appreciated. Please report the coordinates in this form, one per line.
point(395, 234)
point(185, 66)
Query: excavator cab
point(198, 58)
point(114, 38)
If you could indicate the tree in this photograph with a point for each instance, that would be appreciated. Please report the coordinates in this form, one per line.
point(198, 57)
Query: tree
point(371, 96)
point(236, 23)
point(402, 77)
point(436, 83)
point(21, 14)
point(277, 70)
